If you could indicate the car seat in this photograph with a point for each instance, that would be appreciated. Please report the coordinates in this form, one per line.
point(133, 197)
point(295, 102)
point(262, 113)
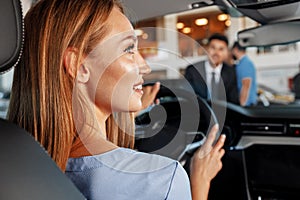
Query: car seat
point(26, 170)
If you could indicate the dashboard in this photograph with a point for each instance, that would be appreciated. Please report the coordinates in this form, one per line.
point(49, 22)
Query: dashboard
point(262, 125)
point(262, 157)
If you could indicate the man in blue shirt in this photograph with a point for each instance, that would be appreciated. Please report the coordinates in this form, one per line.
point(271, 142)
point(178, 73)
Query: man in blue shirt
point(246, 76)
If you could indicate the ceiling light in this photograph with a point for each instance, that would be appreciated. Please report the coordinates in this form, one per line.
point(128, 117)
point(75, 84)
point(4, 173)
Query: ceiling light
point(145, 36)
point(138, 32)
point(186, 30)
point(179, 25)
point(222, 17)
point(228, 22)
point(201, 21)
point(202, 3)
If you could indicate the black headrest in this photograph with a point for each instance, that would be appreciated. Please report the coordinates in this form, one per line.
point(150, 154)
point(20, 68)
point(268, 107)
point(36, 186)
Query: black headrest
point(26, 171)
point(11, 33)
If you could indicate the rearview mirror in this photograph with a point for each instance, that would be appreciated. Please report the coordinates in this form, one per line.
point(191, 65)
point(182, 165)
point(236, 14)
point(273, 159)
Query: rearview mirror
point(270, 34)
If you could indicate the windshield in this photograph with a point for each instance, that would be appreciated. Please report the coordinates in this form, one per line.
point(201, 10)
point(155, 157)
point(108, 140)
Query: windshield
point(275, 66)
point(173, 42)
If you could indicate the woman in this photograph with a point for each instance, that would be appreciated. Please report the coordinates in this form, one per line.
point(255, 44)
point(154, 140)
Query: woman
point(76, 89)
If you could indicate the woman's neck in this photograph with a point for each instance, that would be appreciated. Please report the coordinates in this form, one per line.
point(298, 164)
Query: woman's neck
point(92, 140)
point(93, 147)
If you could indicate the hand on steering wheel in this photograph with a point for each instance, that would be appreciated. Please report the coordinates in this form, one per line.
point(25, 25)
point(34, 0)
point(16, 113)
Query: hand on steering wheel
point(172, 128)
point(206, 163)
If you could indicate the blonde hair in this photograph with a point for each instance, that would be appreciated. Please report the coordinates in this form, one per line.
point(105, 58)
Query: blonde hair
point(41, 99)
point(120, 129)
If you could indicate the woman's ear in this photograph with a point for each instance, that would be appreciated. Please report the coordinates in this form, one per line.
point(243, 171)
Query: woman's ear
point(83, 74)
point(71, 63)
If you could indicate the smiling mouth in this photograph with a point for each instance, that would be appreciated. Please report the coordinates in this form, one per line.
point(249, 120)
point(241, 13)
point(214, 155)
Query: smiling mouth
point(139, 89)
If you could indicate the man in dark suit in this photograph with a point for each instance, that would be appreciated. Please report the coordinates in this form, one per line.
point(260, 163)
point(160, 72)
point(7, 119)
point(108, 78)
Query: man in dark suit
point(296, 85)
point(214, 79)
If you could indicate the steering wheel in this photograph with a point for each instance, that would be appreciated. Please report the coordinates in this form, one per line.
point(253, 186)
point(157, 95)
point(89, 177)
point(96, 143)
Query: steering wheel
point(177, 126)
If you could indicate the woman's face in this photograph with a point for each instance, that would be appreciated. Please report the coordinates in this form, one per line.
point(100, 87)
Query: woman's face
point(116, 68)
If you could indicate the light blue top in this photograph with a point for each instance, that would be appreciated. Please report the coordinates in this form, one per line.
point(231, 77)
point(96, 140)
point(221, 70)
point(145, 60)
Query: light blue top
point(123, 174)
point(245, 69)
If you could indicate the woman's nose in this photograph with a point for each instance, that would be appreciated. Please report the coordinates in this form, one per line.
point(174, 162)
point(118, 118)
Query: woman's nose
point(142, 64)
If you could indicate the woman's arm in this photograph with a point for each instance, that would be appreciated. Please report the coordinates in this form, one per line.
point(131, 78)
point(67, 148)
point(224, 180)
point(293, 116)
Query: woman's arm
point(205, 165)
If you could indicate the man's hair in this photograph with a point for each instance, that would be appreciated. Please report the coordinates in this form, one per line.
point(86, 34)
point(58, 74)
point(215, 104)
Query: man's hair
point(218, 36)
point(237, 45)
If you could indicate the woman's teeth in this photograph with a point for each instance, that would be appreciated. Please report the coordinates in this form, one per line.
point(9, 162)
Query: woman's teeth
point(138, 87)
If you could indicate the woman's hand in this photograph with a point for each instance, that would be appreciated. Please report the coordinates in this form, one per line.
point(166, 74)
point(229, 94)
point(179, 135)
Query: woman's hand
point(149, 95)
point(205, 165)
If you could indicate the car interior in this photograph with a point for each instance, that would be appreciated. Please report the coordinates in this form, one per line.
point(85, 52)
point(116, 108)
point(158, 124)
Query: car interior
point(262, 145)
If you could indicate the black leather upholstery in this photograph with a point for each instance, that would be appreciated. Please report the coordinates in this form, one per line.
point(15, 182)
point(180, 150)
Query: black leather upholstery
point(26, 170)
point(11, 33)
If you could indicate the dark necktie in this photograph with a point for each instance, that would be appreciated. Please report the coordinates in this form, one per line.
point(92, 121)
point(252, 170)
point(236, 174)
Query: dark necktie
point(214, 87)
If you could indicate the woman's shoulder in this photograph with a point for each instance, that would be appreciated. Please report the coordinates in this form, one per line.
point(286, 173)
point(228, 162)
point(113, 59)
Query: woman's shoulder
point(132, 171)
point(129, 160)
point(122, 159)
point(176, 181)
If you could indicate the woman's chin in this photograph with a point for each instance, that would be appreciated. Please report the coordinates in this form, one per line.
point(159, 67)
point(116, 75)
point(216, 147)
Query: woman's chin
point(135, 107)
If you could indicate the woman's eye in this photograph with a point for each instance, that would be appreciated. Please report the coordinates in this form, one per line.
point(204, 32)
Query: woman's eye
point(129, 49)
